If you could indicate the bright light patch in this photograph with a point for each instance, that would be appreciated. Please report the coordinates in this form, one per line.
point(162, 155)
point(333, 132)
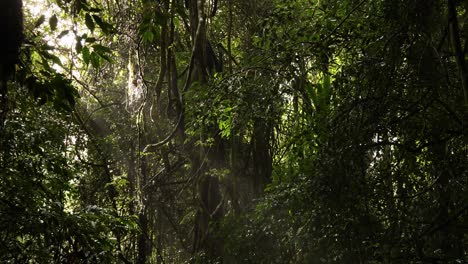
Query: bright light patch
point(37, 8)
point(59, 38)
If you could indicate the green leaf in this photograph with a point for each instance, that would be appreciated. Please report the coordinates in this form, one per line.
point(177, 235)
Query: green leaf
point(47, 47)
point(101, 49)
point(106, 57)
point(89, 22)
point(94, 57)
point(63, 33)
point(53, 58)
point(78, 45)
point(103, 52)
point(105, 27)
point(90, 40)
point(53, 22)
point(46, 65)
point(148, 37)
point(39, 21)
point(86, 55)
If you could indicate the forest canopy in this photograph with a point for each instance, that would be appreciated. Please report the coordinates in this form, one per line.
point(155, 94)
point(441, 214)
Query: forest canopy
point(234, 131)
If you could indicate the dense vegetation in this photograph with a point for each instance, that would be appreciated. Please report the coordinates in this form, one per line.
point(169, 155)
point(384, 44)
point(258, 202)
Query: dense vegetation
point(222, 131)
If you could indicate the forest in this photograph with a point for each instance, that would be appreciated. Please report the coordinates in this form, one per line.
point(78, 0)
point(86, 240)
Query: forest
point(234, 131)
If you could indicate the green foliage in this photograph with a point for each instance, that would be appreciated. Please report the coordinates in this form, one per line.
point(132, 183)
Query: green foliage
point(359, 180)
point(38, 220)
point(334, 133)
point(44, 82)
point(53, 88)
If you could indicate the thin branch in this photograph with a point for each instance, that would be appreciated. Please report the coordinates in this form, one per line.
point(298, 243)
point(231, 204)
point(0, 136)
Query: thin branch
point(88, 90)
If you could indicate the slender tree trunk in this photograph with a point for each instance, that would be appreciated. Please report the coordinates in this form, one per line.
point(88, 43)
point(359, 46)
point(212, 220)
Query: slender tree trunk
point(11, 31)
point(142, 239)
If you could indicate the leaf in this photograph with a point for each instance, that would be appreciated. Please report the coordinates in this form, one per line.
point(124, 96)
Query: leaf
point(105, 27)
point(101, 49)
point(89, 22)
point(47, 47)
point(148, 37)
point(106, 57)
point(78, 45)
point(46, 65)
point(53, 58)
point(86, 55)
point(90, 40)
point(39, 21)
point(103, 52)
point(95, 60)
point(225, 121)
point(53, 22)
point(64, 92)
point(63, 33)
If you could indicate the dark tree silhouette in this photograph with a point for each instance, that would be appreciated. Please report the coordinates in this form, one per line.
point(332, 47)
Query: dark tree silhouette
point(11, 31)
